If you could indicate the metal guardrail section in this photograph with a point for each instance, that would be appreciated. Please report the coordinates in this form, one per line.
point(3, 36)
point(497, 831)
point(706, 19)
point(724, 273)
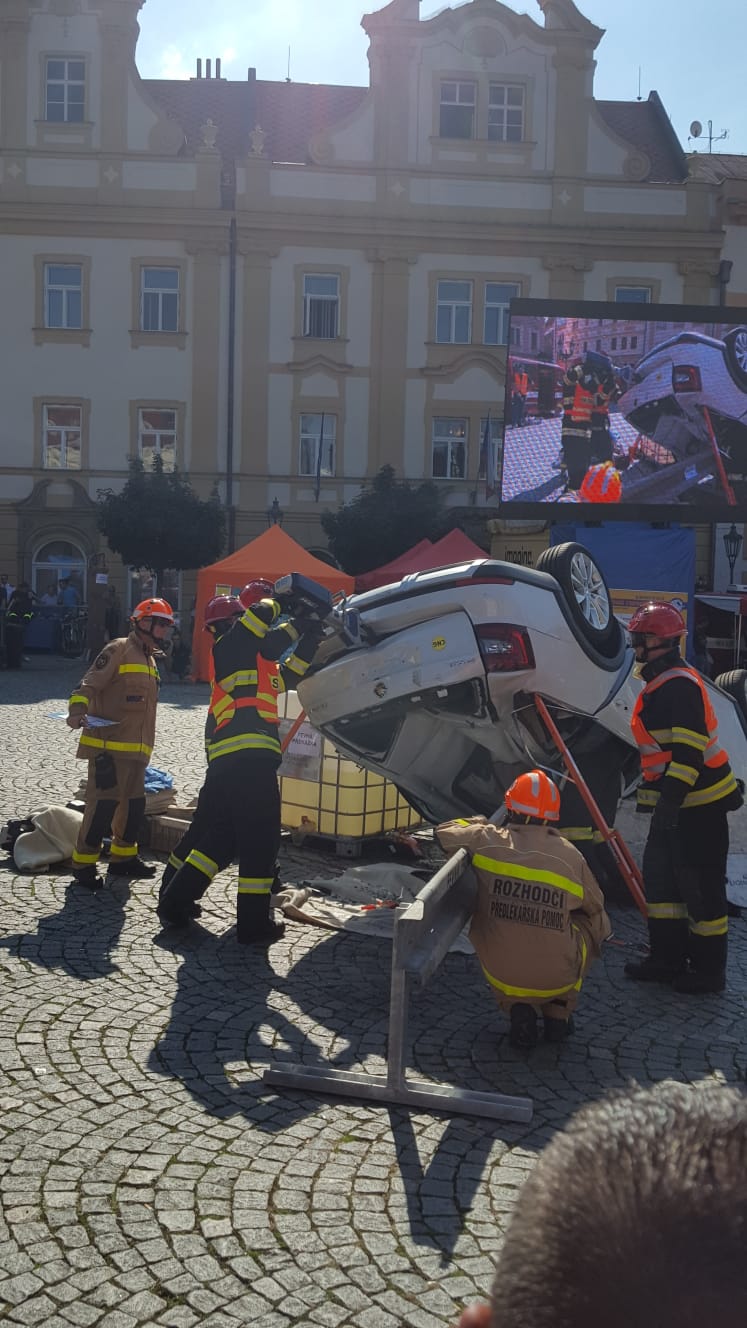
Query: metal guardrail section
point(422, 937)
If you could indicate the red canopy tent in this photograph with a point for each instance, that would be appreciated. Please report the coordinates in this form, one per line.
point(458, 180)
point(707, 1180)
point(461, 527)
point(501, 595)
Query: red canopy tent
point(271, 555)
point(455, 547)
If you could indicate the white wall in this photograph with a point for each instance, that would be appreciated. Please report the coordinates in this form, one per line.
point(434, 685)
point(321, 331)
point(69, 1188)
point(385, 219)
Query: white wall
point(109, 373)
point(70, 36)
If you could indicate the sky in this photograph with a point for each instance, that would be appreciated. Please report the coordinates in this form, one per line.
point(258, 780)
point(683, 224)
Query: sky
point(690, 51)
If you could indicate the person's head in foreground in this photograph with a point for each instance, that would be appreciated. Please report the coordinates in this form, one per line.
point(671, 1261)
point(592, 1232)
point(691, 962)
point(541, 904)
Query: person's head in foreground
point(635, 1216)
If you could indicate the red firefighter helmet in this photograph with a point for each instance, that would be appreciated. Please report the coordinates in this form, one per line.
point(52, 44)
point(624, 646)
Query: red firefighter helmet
point(534, 794)
point(601, 484)
point(256, 590)
point(655, 619)
point(221, 608)
point(152, 608)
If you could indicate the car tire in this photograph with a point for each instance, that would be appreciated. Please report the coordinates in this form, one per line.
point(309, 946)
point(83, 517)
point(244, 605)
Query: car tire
point(587, 595)
point(736, 355)
point(735, 683)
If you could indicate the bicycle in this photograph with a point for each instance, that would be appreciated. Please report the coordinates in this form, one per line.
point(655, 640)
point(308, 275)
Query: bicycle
point(74, 633)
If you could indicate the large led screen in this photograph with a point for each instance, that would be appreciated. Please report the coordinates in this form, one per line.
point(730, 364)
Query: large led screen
point(632, 410)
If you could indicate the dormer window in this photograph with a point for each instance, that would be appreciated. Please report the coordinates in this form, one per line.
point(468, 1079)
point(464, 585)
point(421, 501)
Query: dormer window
point(506, 113)
point(65, 94)
point(458, 106)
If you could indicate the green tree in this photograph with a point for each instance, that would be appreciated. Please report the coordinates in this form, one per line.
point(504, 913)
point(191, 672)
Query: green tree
point(158, 521)
point(385, 519)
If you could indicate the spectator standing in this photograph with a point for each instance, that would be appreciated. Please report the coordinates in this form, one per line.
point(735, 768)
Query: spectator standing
point(112, 614)
point(635, 1216)
point(69, 597)
point(49, 598)
point(6, 590)
point(18, 615)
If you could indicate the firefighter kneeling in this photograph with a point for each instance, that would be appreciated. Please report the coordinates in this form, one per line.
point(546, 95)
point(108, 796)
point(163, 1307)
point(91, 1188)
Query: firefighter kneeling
point(539, 919)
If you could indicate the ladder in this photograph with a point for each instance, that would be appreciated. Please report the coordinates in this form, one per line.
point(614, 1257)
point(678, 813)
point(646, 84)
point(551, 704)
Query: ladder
point(624, 860)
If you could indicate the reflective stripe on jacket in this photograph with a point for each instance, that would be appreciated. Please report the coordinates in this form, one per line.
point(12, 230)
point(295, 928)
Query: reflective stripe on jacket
point(120, 685)
point(676, 731)
point(243, 715)
point(539, 919)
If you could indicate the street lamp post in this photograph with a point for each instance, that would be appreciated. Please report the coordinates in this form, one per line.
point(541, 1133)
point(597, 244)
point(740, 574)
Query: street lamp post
point(275, 514)
point(732, 544)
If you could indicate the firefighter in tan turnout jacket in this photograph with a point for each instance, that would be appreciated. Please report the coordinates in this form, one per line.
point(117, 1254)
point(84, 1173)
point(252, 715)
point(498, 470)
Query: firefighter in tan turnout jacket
point(121, 686)
point(539, 919)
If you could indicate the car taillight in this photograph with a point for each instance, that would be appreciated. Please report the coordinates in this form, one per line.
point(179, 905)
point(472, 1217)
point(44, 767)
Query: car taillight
point(686, 378)
point(504, 648)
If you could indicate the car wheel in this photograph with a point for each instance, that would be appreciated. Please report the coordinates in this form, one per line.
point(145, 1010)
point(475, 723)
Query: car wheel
point(736, 355)
point(587, 595)
point(735, 683)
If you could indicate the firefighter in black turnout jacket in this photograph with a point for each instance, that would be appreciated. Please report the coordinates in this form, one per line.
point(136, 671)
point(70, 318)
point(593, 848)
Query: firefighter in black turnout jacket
point(239, 804)
point(689, 787)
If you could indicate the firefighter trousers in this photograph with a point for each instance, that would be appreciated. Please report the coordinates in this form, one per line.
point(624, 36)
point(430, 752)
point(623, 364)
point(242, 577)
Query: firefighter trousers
point(684, 875)
point(114, 804)
point(239, 816)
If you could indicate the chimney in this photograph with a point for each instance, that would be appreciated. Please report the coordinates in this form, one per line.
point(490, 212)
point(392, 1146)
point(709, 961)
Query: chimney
point(208, 68)
point(251, 74)
point(217, 68)
point(199, 68)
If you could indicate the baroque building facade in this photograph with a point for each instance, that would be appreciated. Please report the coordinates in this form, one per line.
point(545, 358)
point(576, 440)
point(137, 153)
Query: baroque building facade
point(283, 287)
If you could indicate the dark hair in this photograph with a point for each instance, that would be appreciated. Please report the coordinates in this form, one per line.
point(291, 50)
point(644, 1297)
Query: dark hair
point(635, 1216)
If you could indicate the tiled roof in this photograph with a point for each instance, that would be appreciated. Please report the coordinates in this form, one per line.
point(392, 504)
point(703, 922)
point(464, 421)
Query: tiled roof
point(646, 126)
point(193, 101)
point(292, 113)
point(715, 167)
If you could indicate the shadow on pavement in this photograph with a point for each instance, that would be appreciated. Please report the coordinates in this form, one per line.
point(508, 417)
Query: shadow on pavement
point(79, 939)
point(226, 1025)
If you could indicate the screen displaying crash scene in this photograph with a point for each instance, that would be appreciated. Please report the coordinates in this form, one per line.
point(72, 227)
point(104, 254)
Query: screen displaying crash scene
point(640, 407)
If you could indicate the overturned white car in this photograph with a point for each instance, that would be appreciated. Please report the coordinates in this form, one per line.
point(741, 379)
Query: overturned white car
point(430, 681)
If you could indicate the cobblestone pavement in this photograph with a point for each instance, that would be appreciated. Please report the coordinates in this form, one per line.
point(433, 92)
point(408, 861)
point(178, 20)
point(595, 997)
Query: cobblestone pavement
point(148, 1175)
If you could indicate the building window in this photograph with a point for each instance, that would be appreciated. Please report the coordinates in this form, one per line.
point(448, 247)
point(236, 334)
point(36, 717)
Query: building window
point(613, 343)
point(159, 299)
point(506, 113)
point(142, 585)
point(633, 294)
point(458, 102)
point(533, 341)
point(63, 295)
point(454, 312)
point(449, 449)
point(599, 344)
point(157, 436)
point(321, 306)
point(55, 562)
point(633, 343)
point(61, 437)
point(65, 99)
point(497, 299)
point(623, 343)
point(317, 431)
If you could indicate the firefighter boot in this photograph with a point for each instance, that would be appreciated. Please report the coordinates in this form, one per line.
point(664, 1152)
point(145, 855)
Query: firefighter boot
point(523, 1034)
point(133, 868)
point(88, 878)
point(557, 1030)
point(706, 969)
point(668, 941)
